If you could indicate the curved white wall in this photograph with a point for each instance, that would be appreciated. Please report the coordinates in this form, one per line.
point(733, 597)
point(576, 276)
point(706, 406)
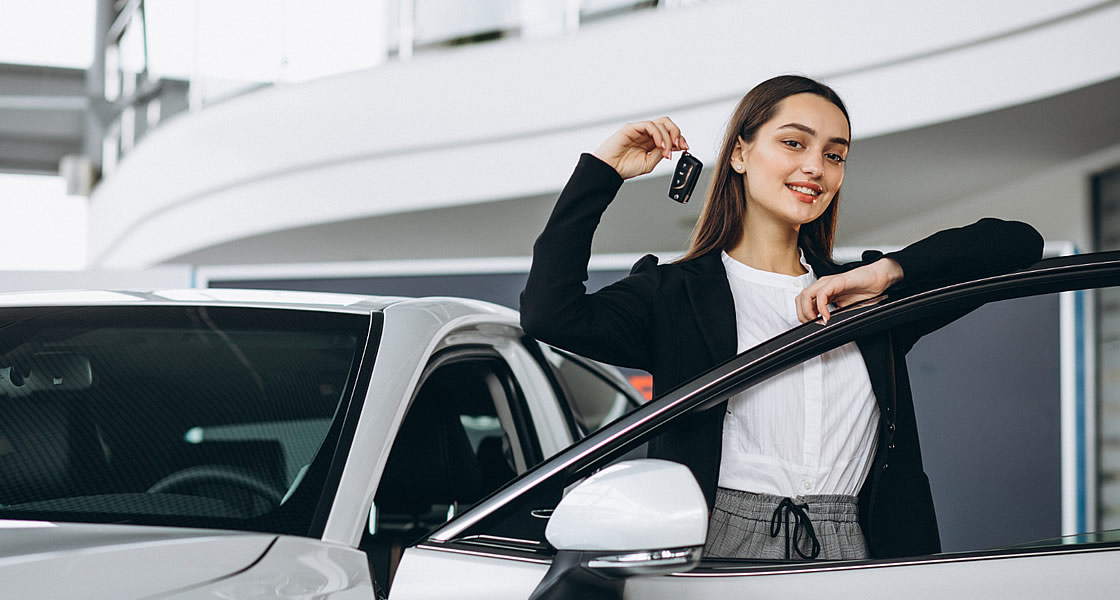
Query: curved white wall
point(505, 119)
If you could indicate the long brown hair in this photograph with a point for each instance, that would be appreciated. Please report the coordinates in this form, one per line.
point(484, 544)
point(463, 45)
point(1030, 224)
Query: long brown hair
point(720, 226)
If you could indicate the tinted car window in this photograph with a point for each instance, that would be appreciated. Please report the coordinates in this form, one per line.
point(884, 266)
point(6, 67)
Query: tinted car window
point(465, 435)
point(594, 400)
point(167, 415)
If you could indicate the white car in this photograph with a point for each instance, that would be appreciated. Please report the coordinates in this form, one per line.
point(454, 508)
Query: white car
point(402, 500)
point(223, 443)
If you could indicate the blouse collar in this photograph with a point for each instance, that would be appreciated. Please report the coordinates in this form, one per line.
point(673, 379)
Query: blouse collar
point(769, 278)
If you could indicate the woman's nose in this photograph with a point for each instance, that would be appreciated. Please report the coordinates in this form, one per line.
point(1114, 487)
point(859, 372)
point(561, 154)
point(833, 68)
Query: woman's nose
point(813, 168)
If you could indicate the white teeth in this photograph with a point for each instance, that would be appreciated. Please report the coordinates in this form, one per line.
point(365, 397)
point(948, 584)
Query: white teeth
point(803, 190)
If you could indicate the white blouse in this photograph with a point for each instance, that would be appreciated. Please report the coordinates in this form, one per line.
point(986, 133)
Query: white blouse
point(811, 429)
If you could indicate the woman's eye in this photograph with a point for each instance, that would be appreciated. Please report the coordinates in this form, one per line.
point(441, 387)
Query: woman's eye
point(792, 143)
point(836, 158)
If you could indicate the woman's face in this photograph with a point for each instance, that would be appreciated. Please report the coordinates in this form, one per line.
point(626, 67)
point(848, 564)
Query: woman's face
point(795, 164)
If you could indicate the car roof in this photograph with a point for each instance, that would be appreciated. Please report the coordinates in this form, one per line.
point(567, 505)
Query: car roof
point(321, 301)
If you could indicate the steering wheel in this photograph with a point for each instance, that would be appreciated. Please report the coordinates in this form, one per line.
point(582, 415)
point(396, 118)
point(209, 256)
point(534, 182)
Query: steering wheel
point(215, 474)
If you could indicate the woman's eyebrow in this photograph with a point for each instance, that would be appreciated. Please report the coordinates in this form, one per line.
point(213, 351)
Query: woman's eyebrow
point(813, 132)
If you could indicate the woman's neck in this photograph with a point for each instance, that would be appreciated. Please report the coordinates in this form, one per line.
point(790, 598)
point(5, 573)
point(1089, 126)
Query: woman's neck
point(771, 249)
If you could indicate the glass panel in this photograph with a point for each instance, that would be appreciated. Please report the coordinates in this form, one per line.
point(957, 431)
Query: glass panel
point(168, 415)
point(594, 401)
point(465, 435)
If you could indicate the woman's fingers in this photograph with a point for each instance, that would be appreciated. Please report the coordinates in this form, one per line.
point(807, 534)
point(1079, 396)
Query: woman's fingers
point(679, 143)
point(674, 132)
point(636, 148)
point(838, 291)
point(665, 137)
point(806, 303)
point(822, 306)
point(649, 137)
point(812, 304)
point(660, 134)
point(814, 300)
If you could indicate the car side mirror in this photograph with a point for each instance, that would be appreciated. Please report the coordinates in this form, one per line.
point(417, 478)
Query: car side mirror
point(638, 517)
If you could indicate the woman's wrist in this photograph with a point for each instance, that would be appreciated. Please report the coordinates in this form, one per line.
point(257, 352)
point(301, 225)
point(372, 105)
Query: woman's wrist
point(890, 270)
point(599, 154)
point(612, 159)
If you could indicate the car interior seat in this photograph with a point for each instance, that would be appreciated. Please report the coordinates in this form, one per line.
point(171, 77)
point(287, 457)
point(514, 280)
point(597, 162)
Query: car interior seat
point(432, 470)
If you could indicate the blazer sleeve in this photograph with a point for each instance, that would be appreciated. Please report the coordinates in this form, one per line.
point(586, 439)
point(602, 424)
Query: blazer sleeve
point(986, 247)
point(612, 325)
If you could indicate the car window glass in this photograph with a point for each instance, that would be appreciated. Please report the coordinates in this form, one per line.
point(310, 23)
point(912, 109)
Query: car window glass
point(989, 391)
point(466, 433)
point(593, 399)
point(170, 416)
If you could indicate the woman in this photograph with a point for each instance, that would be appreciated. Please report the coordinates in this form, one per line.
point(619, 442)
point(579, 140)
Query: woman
point(823, 460)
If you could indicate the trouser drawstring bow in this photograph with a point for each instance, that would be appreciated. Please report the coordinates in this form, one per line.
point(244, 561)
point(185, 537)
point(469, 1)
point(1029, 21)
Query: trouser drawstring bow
point(800, 522)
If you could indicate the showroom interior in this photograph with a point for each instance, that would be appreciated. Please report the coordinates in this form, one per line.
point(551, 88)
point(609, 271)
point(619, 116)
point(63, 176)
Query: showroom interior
point(415, 147)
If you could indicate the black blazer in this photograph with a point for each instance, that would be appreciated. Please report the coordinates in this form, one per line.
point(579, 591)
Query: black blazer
point(677, 320)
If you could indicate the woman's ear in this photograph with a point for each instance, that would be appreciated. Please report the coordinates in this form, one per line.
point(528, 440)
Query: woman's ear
point(739, 156)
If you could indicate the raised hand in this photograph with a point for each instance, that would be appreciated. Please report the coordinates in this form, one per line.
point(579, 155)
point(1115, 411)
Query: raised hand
point(636, 148)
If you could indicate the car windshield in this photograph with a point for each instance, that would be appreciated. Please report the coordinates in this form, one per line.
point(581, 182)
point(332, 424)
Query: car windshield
point(168, 415)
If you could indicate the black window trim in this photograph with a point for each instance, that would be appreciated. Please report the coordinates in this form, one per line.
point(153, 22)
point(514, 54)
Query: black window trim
point(342, 431)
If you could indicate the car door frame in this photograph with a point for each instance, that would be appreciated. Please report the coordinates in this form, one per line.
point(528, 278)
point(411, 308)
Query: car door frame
point(1051, 275)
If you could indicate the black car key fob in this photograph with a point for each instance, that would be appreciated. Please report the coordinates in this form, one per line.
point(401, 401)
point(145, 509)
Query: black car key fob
point(685, 177)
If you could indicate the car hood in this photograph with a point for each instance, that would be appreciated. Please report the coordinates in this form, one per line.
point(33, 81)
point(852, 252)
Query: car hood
point(40, 560)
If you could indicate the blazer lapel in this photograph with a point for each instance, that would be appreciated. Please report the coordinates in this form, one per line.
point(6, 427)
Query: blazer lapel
point(712, 302)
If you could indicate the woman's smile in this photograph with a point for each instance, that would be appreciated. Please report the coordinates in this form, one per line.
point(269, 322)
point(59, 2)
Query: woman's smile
point(805, 192)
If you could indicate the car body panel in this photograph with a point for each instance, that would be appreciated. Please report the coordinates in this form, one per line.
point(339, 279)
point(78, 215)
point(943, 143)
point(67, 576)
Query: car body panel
point(294, 569)
point(426, 574)
point(1088, 574)
point(56, 561)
